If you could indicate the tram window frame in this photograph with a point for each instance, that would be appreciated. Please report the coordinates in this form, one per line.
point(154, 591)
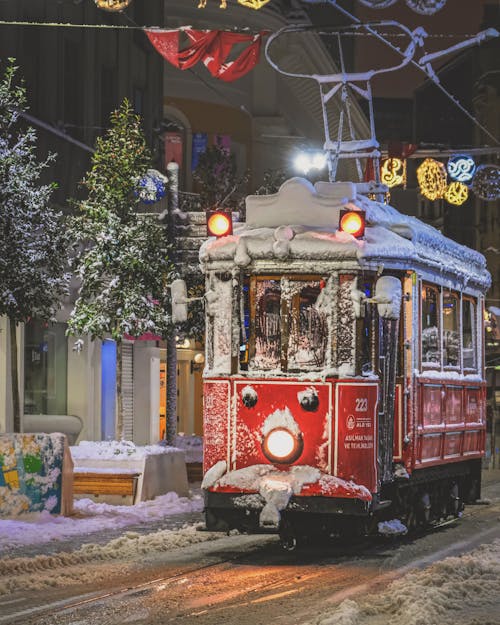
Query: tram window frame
point(473, 332)
point(446, 346)
point(286, 310)
point(430, 364)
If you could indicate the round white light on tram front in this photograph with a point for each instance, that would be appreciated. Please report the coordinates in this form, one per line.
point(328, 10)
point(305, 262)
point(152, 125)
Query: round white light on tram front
point(281, 446)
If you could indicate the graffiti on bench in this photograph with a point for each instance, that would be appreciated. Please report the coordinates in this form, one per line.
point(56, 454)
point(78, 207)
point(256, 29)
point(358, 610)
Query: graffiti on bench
point(31, 473)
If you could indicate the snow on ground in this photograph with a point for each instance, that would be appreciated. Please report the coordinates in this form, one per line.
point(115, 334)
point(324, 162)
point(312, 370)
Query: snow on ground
point(42, 527)
point(463, 589)
point(89, 517)
point(65, 568)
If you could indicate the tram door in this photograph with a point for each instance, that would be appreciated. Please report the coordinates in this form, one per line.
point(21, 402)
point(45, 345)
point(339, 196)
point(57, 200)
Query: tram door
point(388, 295)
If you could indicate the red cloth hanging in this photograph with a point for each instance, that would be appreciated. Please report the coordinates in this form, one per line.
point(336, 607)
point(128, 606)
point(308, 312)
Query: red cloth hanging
point(212, 47)
point(398, 149)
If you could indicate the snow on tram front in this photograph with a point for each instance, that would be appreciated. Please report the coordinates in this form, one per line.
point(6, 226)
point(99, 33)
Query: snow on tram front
point(344, 386)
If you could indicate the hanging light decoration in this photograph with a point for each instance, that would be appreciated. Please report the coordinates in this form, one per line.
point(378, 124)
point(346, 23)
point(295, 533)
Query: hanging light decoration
point(461, 167)
point(203, 4)
point(112, 5)
point(152, 187)
point(426, 7)
point(378, 4)
point(431, 176)
point(393, 172)
point(253, 4)
point(486, 182)
point(456, 193)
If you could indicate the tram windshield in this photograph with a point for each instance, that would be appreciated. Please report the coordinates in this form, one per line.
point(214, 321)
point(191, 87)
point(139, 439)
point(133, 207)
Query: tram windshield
point(289, 328)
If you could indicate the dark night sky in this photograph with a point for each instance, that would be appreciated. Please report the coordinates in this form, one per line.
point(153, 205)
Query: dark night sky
point(461, 17)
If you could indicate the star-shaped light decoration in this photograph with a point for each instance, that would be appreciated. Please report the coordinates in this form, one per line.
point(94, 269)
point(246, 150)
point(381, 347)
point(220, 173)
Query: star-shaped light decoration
point(250, 4)
point(112, 5)
point(253, 4)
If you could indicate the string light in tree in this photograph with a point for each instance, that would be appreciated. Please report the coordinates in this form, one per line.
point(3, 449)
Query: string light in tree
point(486, 182)
point(431, 176)
point(456, 193)
point(461, 167)
point(393, 172)
point(112, 5)
point(426, 7)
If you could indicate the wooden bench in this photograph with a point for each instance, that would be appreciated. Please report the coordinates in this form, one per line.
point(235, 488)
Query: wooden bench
point(88, 483)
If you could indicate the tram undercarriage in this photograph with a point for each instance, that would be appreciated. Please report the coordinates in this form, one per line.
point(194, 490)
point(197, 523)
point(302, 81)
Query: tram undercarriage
point(428, 498)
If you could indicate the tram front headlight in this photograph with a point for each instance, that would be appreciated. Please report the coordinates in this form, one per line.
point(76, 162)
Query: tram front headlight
point(282, 446)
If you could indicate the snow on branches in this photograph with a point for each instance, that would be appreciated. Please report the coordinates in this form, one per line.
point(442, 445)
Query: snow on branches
point(33, 254)
point(123, 261)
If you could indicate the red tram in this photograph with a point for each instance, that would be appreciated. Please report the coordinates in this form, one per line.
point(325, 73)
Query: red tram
point(344, 386)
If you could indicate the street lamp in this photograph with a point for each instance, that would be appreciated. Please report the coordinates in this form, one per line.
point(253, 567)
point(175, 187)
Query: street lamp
point(307, 160)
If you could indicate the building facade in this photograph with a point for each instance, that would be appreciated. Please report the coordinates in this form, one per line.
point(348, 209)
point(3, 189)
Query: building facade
point(75, 77)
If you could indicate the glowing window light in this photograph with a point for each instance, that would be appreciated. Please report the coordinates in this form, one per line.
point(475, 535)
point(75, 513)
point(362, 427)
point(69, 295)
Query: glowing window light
point(461, 167)
point(431, 176)
point(393, 172)
point(456, 193)
point(112, 5)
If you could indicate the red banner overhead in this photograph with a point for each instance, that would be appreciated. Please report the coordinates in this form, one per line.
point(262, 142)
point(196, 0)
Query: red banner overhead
point(211, 47)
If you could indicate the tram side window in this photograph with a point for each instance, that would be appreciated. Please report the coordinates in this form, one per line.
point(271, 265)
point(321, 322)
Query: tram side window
point(308, 331)
point(451, 336)
point(469, 333)
point(431, 349)
point(267, 325)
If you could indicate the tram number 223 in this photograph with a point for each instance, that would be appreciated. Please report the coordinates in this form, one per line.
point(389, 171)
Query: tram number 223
point(361, 404)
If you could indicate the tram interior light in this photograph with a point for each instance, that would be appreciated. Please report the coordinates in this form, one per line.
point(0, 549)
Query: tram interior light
point(352, 222)
point(219, 223)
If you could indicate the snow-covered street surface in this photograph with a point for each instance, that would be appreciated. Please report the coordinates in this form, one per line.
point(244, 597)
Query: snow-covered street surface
point(156, 572)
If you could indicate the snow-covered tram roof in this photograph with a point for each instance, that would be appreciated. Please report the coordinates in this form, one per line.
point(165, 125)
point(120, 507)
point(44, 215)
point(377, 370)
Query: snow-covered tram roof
point(299, 224)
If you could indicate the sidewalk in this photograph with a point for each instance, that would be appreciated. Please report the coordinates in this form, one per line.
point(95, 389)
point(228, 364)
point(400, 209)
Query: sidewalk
point(97, 523)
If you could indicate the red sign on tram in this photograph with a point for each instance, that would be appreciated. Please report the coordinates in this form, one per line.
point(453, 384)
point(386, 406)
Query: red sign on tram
point(356, 433)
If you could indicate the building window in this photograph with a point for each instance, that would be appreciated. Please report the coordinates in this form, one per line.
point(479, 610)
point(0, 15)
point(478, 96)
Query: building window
point(45, 368)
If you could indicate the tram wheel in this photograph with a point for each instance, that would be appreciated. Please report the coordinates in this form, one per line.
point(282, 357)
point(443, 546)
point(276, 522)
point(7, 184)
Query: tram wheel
point(288, 543)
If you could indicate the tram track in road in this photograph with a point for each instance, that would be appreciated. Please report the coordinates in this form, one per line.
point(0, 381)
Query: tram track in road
point(255, 577)
point(88, 598)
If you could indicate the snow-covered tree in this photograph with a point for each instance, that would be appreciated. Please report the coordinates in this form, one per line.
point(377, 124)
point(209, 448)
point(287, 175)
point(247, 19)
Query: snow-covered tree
point(34, 244)
point(122, 260)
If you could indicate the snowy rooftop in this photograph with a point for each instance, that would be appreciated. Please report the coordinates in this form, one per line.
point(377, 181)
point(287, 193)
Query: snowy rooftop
point(300, 221)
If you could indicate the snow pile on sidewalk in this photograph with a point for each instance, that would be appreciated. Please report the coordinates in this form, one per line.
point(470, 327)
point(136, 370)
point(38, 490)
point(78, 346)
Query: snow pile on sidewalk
point(64, 569)
point(89, 517)
point(463, 589)
point(192, 446)
point(116, 450)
